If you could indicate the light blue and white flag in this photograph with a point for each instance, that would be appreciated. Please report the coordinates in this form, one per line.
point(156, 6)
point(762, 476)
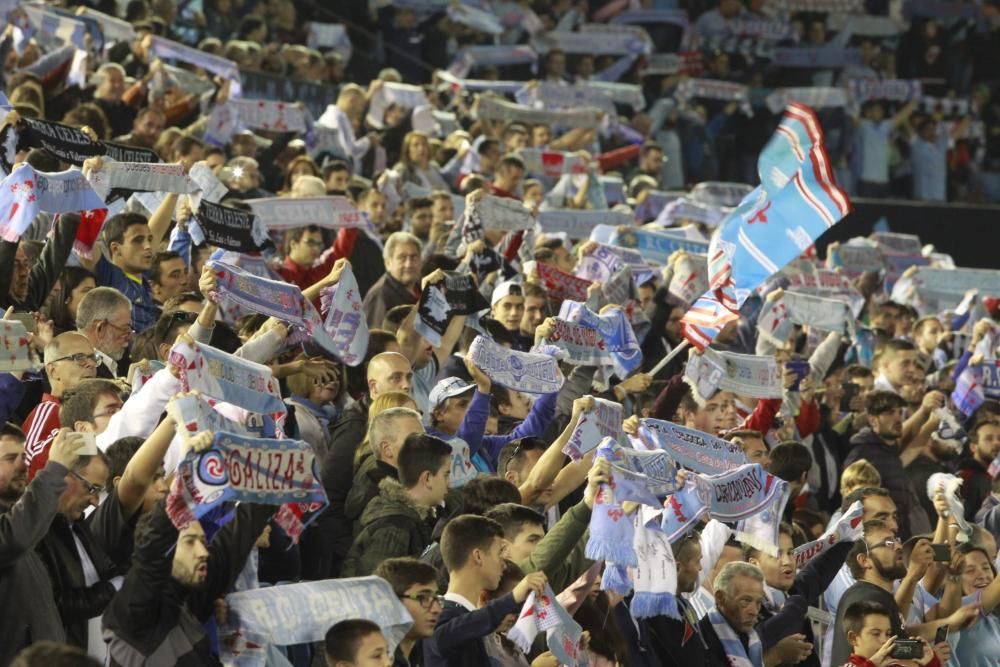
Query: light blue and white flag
point(344, 319)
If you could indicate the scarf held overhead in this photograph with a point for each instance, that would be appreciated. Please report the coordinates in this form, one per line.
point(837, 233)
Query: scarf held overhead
point(521, 371)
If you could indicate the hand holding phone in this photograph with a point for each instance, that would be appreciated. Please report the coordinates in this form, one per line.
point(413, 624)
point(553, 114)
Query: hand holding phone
point(907, 649)
point(942, 554)
point(801, 371)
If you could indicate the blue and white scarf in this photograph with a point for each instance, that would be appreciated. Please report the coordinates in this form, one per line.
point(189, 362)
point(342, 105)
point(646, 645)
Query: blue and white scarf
point(238, 468)
point(171, 50)
point(284, 213)
point(687, 208)
point(690, 278)
point(849, 527)
point(731, 644)
point(605, 420)
point(692, 449)
point(618, 338)
point(302, 613)
point(27, 192)
point(742, 374)
point(600, 40)
point(816, 56)
point(605, 260)
point(402, 95)
point(260, 295)
point(226, 377)
point(521, 371)
point(818, 97)
point(469, 57)
point(62, 27)
point(578, 224)
point(551, 95)
point(140, 177)
point(543, 613)
point(344, 319)
point(494, 108)
point(270, 115)
point(656, 247)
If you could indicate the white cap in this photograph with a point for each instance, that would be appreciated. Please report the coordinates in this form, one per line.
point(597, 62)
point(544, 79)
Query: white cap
point(505, 289)
point(447, 388)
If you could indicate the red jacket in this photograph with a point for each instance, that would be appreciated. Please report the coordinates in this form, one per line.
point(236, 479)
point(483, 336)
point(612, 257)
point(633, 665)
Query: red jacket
point(39, 429)
point(858, 661)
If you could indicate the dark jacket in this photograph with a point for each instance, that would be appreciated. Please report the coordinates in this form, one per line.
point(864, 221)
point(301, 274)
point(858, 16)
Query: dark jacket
point(366, 262)
point(385, 295)
point(332, 528)
point(45, 272)
point(364, 489)
point(809, 584)
point(77, 601)
point(560, 554)
point(866, 445)
point(685, 643)
point(977, 485)
point(459, 633)
point(391, 526)
point(154, 619)
point(28, 612)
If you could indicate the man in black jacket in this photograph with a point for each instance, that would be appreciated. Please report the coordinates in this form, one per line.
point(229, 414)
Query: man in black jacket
point(26, 287)
point(170, 592)
point(29, 613)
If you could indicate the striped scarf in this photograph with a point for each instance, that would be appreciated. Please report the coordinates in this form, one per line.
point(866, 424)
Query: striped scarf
point(731, 644)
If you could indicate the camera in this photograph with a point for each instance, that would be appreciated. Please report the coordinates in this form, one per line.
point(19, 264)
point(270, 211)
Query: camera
point(907, 649)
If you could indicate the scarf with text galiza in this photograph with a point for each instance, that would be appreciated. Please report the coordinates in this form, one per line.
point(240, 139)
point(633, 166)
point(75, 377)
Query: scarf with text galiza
point(302, 613)
point(194, 414)
point(520, 371)
point(457, 294)
point(752, 656)
point(849, 527)
point(344, 319)
point(226, 377)
point(27, 192)
point(484, 211)
point(284, 213)
point(227, 227)
point(238, 468)
point(619, 340)
point(543, 613)
point(752, 375)
point(494, 108)
point(15, 348)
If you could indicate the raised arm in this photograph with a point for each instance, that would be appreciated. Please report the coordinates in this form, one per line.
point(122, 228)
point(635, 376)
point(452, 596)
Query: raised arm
point(140, 473)
point(544, 472)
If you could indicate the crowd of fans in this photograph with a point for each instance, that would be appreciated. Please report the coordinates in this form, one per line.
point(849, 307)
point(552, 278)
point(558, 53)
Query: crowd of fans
point(92, 559)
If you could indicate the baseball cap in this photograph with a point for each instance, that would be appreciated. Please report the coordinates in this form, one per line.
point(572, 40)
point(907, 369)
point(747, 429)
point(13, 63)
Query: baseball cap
point(448, 388)
point(505, 289)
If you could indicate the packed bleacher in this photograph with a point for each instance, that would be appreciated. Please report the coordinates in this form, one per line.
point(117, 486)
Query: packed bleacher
point(495, 332)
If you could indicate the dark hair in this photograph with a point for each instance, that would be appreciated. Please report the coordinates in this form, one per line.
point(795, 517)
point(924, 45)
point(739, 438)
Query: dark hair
point(650, 146)
point(790, 460)
point(69, 280)
point(421, 453)
point(248, 25)
point(514, 452)
point(176, 301)
point(856, 612)
point(119, 454)
point(297, 233)
point(10, 430)
point(861, 494)
point(167, 327)
point(416, 203)
point(158, 259)
point(855, 371)
point(79, 402)
point(879, 402)
point(977, 427)
point(861, 547)
point(379, 341)
point(512, 160)
point(482, 493)
point(117, 225)
point(333, 167)
point(91, 115)
point(463, 535)
point(53, 654)
point(185, 144)
point(344, 639)
point(394, 317)
point(512, 517)
point(894, 345)
point(401, 573)
point(485, 145)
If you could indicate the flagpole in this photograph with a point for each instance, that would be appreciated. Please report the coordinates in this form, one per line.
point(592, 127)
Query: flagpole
point(683, 345)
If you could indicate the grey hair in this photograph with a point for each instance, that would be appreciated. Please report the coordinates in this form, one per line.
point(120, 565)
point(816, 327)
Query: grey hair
point(724, 580)
point(400, 238)
point(98, 304)
point(382, 425)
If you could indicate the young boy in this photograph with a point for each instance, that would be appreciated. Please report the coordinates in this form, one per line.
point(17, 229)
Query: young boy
point(357, 643)
point(868, 632)
point(473, 551)
point(415, 583)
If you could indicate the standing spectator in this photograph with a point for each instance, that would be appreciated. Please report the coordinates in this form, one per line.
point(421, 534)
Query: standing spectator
point(874, 131)
point(977, 484)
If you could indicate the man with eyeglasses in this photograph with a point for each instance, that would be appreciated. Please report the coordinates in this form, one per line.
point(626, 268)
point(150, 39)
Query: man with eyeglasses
point(69, 360)
point(876, 562)
point(415, 584)
point(104, 316)
point(308, 260)
point(26, 286)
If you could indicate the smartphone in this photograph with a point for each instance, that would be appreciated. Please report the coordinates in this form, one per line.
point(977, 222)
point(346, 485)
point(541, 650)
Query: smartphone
point(942, 553)
point(27, 319)
point(851, 390)
point(801, 370)
point(907, 649)
point(941, 635)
